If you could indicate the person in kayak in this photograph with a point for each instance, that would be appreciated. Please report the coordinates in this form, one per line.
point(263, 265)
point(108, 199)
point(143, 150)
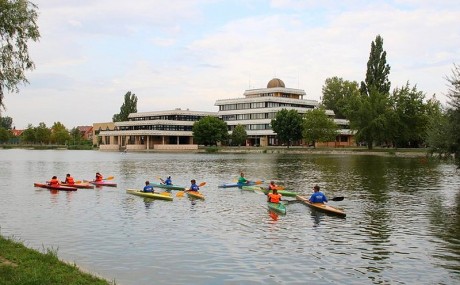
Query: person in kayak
point(193, 187)
point(54, 181)
point(242, 180)
point(99, 177)
point(317, 196)
point(148, 188)
point(69, 179)
point(168, 181)
point(272, 186)
point(274, 197)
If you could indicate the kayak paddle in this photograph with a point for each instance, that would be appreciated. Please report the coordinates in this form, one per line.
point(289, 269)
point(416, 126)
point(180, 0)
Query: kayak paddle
point(161, 179)
point(181, 193)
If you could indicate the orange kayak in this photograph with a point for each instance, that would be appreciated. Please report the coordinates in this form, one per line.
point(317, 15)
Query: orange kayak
point(321, 207)
point(79, 185)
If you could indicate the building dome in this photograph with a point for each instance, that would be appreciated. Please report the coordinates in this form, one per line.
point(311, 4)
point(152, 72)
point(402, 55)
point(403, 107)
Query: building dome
point(275, 82)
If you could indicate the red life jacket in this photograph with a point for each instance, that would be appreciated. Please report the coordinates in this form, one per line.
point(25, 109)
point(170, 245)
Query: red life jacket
point(274, 198)
point(69, 180)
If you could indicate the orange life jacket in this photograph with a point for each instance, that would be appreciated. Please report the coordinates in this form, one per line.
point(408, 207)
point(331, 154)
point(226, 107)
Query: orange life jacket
point(54, 182)
point(274, 198)
point(69, 180)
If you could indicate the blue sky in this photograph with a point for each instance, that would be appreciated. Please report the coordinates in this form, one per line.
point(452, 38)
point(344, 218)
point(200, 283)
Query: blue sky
point(188, 54)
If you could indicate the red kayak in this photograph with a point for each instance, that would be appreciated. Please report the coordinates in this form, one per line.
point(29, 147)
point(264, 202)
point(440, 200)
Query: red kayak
point(79, 185)
point(58, 187)
point(103, 183)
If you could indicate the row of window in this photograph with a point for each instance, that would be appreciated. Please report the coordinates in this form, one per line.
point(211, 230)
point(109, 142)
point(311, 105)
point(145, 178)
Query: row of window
point(189, 118)
point(257, 116)
point(253, 127)
point(243, 106)
point(156, 128)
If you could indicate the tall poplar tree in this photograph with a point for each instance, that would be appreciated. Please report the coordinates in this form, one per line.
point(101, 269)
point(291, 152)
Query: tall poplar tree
point(372, 111)
point(128, 107)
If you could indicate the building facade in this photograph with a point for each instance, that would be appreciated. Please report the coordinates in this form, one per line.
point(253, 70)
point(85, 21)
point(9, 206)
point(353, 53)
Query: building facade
point(258, 107)
point(160, 130)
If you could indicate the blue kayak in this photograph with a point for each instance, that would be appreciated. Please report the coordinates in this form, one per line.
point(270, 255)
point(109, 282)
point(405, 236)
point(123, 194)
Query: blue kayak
point(170, 187)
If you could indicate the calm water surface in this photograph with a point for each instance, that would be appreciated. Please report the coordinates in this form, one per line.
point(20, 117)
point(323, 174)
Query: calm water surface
point(402, 225)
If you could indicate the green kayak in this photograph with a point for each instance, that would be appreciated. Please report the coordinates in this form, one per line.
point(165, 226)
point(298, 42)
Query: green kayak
point(170, 187)
point(265, 191)
point(277, 207)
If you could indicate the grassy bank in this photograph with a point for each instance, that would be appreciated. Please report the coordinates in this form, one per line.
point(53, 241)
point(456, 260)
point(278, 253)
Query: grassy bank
point(22, 265)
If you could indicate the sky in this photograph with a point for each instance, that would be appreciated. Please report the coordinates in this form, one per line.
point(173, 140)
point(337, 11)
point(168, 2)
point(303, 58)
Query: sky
point(189, 53)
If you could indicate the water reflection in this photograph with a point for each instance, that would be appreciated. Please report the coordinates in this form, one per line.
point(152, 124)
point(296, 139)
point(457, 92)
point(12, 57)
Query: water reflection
point(402, 225)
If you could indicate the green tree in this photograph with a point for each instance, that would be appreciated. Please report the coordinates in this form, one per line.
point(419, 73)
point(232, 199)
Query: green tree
point(437, 127)
point(453, 112)
point(287, 125)
point(318, 127)
point(210, 130)
point(239, 135)
point(4, 135)
point(370, 113)
point(29, 134)
point(336, 93)
point(42, 133)
point(377, 69)
point(6, 122)
point(59, 133)
point(18, 25)
point(128, 107)
point(410, 120)
point(76, 136)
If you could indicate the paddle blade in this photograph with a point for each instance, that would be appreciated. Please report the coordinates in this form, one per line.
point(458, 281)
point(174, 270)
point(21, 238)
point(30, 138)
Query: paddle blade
point(180, 194)
point(165, 193)
point(202, 184)
point(109, 178)
point(337, 199)
point(258, 182)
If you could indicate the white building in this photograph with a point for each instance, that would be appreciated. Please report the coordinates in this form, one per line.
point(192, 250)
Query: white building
point(259, 106)
point(160, 130)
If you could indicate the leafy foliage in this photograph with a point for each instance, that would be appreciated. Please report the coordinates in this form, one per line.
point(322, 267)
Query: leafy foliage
point(336, 93)
point(18, 25)
point(6, 122)
point(59, 133)
point(28, 135)
point(287, 125)
point(409, 124)
point(42, 133)
point(239, 135)
point(210, 130)
point(4, 135)
point(128, 107)
point(377, 70)
point(318, 127)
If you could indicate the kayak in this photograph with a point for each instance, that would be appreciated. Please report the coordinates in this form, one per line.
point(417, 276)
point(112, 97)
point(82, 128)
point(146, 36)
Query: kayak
point(236, 184)
point(141, 193)
point(277, 207)
point(195, 194)
point(322, 207)
point(80, 185)
point(170, 187)
point(265, 191)
point(59, 187)
point(103, 183)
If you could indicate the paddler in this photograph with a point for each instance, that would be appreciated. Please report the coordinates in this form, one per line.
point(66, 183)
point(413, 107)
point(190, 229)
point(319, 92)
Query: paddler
point(168, 181)
point(317, 196)
point(69, 179)
point(274, 197)
point(193, 187)
point(99, 177)
point(242, 180)
point(272, 186)
point(54, 181)
point(148, 188)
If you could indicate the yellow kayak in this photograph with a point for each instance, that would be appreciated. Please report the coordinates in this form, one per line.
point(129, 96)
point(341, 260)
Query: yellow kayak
point(141, 193)
point(195, 194)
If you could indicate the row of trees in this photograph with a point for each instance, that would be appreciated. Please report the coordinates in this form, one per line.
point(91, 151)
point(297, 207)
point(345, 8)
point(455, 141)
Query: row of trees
point(398, 118)
point(41, 134)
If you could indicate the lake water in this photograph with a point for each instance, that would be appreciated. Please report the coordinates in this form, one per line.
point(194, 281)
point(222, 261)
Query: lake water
point(402, 224)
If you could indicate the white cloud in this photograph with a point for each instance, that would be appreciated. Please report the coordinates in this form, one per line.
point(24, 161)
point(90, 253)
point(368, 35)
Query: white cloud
point(176, 53)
